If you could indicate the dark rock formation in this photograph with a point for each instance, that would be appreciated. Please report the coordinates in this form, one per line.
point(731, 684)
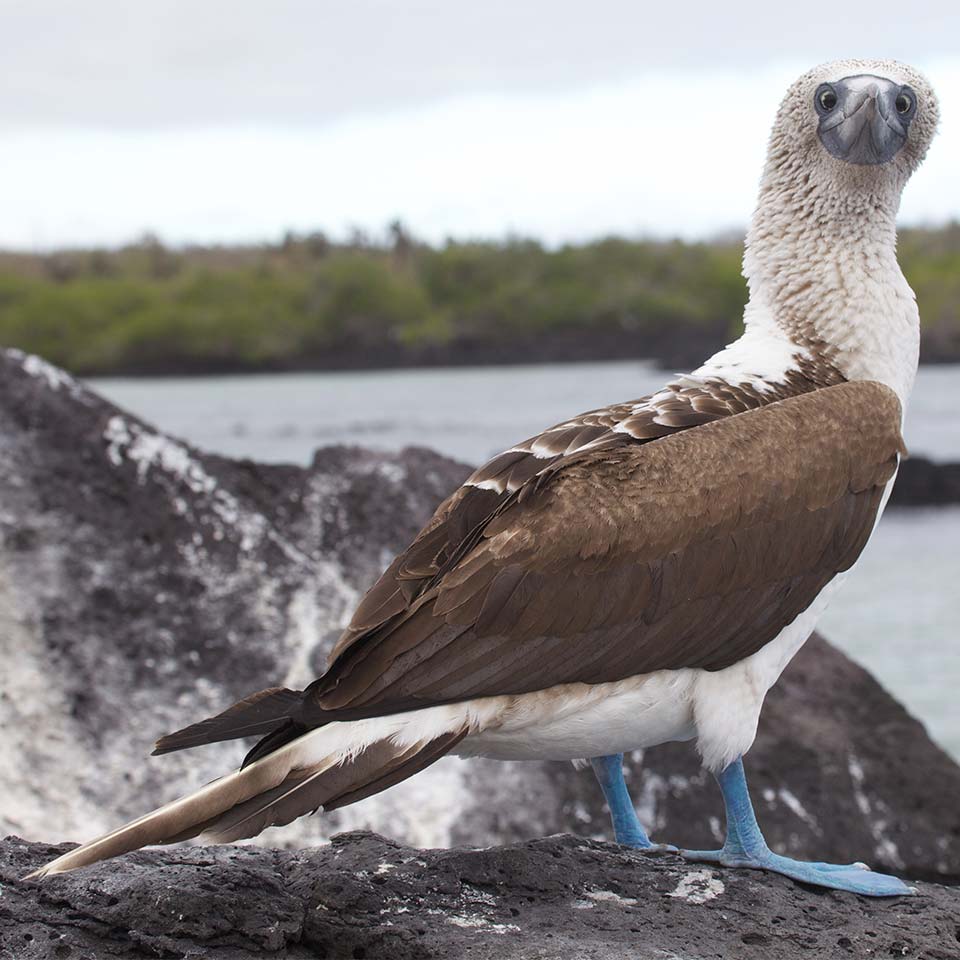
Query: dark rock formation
point(924, 483)
point(144, 584)
point(366, 897)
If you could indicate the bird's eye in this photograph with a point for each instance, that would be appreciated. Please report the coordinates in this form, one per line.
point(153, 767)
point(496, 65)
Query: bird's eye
point(827, 99)
point(903, 103)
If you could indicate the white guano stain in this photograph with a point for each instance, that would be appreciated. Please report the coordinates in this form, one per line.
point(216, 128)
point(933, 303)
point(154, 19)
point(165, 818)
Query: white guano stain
point(793, 804)
point(393, 473)
point(149, 451)
point(146, 450)
point(701, 886)
point(877, 815)
point(481, 923)
point(797, 808)
point(608, 896)
point(55, 378)
point(856, 774)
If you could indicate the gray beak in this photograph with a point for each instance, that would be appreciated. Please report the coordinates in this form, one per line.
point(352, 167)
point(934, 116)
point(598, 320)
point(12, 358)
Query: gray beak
point(864, 119)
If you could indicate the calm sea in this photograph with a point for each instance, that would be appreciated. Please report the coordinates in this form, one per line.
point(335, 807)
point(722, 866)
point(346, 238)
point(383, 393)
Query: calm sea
point(897, 615)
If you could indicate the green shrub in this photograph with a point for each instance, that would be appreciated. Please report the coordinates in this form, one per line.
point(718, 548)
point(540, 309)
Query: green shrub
point(146, 307)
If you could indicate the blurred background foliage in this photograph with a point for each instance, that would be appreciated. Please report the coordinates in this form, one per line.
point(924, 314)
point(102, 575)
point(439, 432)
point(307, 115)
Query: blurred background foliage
point(310, 303)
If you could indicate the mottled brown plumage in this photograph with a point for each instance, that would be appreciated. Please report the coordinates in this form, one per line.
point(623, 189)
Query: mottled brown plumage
point(687, 402)
point(623, 558)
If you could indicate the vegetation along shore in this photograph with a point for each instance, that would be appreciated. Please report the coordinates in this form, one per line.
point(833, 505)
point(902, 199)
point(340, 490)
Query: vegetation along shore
point(309, 303)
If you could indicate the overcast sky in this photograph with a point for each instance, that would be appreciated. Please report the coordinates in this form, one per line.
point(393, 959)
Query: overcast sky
point(204, 120)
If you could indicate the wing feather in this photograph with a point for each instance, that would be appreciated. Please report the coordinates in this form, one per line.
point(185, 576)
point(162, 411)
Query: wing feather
point(625, 557)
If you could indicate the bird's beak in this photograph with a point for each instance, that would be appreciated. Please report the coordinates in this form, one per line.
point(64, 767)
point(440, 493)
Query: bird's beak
point(864, 128)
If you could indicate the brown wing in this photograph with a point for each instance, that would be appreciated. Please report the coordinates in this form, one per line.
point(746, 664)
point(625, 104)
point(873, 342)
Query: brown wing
point(458, 520)
point(694, 551)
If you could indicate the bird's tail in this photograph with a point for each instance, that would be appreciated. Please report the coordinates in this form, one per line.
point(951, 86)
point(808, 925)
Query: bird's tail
point(260, 714)
point(325, 768)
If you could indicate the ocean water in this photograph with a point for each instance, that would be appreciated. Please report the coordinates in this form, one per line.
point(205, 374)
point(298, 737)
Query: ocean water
point(897, 614)
point(469, 413)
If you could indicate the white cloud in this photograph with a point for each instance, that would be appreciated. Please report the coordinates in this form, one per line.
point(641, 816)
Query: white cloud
point(118, 63)
point(668, 152)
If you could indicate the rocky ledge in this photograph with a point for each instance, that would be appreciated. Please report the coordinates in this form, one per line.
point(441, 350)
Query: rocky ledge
point(144, 584)
point(363, 896)
point(924, 483)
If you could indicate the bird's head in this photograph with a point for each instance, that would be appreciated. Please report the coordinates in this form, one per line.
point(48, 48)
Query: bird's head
point(852, 123)
point(820, 256)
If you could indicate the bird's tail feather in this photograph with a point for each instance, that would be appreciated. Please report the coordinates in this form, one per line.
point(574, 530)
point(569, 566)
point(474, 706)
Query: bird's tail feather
point(255, 716)
point(326, 768)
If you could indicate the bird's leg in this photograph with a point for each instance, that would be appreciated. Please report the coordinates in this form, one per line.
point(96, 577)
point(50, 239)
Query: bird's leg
point(746, 847)
point(626, 825)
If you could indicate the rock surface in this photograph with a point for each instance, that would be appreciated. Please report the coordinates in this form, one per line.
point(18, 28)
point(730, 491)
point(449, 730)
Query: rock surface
point(144, 584)
point(924, 483)
point(366, 897)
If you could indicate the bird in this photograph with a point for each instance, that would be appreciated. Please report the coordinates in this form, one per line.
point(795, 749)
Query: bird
point(643, 572)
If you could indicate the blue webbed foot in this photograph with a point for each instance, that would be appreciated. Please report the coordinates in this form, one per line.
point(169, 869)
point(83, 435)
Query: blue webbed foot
point(727, 859)
point(852, 877)
point(746, 847)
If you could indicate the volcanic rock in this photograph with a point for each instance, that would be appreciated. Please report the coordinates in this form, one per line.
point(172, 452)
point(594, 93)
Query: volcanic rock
point(145, 584)
point(925, 483)
point(362, 896)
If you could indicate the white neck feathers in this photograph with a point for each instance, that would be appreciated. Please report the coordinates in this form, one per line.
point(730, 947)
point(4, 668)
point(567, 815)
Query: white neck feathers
point(822, 271)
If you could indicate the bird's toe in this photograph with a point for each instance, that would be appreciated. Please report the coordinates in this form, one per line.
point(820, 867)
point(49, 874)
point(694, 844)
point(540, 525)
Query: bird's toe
point(662, 848)
point(854, 879)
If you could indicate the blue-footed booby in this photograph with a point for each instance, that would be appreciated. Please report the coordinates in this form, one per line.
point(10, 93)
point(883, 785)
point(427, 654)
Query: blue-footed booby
point(643, 572)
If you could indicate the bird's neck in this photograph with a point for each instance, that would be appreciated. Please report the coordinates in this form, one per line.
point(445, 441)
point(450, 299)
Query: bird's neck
point(823, 275)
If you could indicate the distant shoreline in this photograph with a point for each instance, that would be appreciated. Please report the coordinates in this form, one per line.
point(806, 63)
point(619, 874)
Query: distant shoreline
point(676, 357)
point(582, 347)
point(307, 304)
